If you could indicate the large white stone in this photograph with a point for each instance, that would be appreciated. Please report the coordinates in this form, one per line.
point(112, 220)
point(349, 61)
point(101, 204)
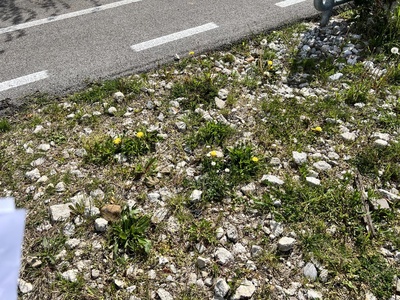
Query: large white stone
point(299, 157)
point(286, 244)
point(24, 287)
point(223, 256)
point(221, 289)
point(100, 224)
point(245, 290)
point(60, 212)
point(322, 165)
point(272, 179)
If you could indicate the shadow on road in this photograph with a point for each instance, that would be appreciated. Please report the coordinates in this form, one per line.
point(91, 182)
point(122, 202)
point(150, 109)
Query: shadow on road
point(14, 12)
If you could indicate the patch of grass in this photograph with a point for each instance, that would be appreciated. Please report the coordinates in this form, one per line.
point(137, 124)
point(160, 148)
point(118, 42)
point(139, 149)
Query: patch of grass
point(202, 231)
point(197, 90)
point(103, 151)
point(212, 134)
point(129, 233)
point(4, 125)
point(377, 161)
point(242, 163)
point(98, 91)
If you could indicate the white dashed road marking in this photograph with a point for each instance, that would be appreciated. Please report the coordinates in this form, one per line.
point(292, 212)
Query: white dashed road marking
point(173, 37)
point(13, 83)
point(287, 3)
point(66, 16)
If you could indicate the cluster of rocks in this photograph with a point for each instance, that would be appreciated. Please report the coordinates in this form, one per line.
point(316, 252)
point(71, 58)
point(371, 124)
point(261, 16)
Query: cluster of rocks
point(243, 239)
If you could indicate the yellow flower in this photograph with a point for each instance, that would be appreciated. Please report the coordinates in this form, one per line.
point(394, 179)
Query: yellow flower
point(318, 129)
point(139, 134)
point(191, 53)
point(270, 64)
point(254, 159)
point(213, 153)
point(117, 141)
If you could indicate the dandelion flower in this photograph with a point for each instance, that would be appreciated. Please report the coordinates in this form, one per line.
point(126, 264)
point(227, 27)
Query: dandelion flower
point(191, 53)
point(139, 134)
point(270, 64)
point(215, 153)
point(254, 159)
point(117, 141)
point(395, 50)
point(318, 129)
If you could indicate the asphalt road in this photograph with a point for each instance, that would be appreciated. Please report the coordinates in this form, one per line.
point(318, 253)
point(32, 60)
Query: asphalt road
point(55, 46)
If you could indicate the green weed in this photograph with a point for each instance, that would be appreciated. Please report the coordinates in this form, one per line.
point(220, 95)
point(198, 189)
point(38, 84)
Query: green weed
point(103, 151)
point(129, 233)
point(4, 125)
point(212, 134)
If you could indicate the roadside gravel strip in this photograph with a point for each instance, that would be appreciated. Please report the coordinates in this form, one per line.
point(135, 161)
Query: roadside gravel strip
point(263, 207)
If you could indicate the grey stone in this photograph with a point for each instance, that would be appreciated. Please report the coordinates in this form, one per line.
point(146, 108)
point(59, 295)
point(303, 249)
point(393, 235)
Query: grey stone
point(95, 273)
point(38, 162)
point(221, 289)
point(322, 165)
point(100, 225)
point(223, 256)
point(313, 294)
point(202, 262)
point(272, 179)
point(159, 215)
point(286, 244)
point(232, 233)
point(60, 187)
point(164, 294)
point(380, 204)
point(44, 147)
point(276, 228)
point(97, 194)
point(310, 271)
point(24, 287)
point(370, 296)
point(195, 196)
point(256, 250)
point(245, 290)
point(119, 97)
point(349, 136)
point(381, 143)
point(33, 175)
point(153, 197)
point(299, 157)
point(91, 211)
point(249, 188)
point(112, 110)
point(219, 232)
point(181, 125)
point(336, 76)
point(72, 243)
point(70, 275)
point(60, 212)
point(219, 103)
point(313, 181)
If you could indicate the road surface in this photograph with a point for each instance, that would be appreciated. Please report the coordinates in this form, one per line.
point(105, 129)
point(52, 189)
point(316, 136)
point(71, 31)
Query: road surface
point(55, 46)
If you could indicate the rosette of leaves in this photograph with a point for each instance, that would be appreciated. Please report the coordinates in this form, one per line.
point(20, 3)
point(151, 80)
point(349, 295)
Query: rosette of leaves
point(129, 233)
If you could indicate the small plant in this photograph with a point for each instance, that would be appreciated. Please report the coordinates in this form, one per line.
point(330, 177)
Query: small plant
point(211, 134)
point(242, 163)
point(104, 151)
point(129, 233)
point(202, 231)
point(197, 90)
point(4, 125)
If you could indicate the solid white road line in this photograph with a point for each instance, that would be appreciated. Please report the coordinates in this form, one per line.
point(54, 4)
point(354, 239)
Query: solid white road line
point(13, 83)
point(173, 37)
point(287, 3)
point(66, 16)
